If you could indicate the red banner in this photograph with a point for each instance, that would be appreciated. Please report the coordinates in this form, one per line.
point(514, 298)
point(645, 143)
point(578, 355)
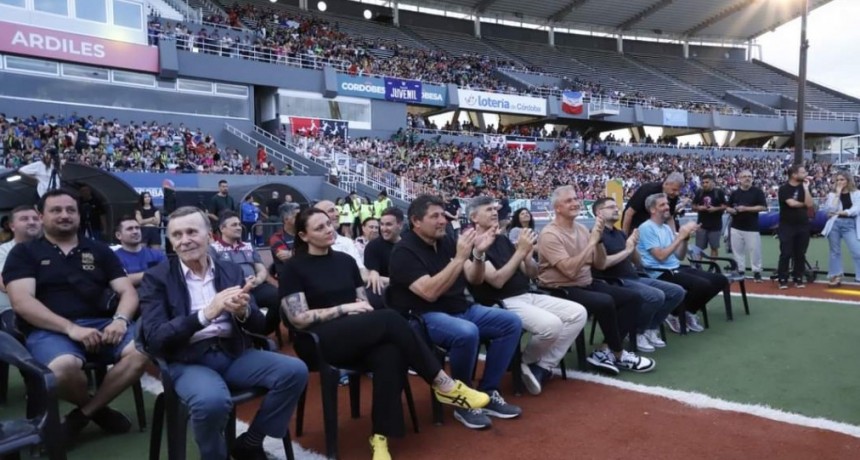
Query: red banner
point(303, 126)
point(64, 46)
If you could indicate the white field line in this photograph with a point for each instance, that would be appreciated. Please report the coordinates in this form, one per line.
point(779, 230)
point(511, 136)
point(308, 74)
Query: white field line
point(702, 401)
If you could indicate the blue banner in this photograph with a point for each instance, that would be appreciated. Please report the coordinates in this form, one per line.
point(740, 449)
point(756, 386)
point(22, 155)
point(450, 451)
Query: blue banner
point(154, 183)
point(377, 88)
point(400, 90)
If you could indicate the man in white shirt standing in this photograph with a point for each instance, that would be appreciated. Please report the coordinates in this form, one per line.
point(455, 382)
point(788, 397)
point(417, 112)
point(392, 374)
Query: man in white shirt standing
point(43, 171)
point(26, 225)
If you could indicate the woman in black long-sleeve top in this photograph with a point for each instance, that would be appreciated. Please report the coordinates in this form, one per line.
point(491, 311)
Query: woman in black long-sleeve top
point(322, 291)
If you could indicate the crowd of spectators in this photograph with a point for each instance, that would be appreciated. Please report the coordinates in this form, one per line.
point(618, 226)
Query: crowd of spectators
point(276, 35)
point(467, 170)
point(115, 146)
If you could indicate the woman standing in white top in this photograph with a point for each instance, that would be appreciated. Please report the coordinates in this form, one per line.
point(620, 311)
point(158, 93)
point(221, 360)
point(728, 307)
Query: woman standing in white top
point(843, 209)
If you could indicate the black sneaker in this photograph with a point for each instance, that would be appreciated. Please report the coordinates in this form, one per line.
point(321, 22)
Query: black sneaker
point(603, 359)
point(757, 277)
point(243, 451)
point(472, 418)
point(499, 408)
point(530, 380)
point(798, 283)
point(74, 423)
point(783, 284)
point(111, 421)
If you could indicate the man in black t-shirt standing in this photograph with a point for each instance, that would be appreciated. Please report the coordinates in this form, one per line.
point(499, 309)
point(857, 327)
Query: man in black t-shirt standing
point(554, 323)
point(795, 201)
point(636, 213)
point(220, 202)
point(744, 205)
point(709, 203)
point(377, 254)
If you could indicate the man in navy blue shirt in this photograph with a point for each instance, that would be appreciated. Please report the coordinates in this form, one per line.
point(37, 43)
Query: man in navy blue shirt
point(135, 257)
point(60, 286)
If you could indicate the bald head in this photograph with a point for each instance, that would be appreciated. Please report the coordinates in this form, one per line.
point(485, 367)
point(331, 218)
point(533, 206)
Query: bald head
point(329, 208)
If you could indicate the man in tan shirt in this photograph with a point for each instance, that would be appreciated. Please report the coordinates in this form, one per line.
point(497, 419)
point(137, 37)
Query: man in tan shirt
point(567, 252)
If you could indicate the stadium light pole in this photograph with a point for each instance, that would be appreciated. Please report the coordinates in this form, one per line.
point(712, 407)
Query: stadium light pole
point(799, 133)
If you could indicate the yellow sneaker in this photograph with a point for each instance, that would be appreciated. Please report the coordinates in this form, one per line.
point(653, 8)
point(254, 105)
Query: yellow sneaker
point(463, 397)
point(379, 446)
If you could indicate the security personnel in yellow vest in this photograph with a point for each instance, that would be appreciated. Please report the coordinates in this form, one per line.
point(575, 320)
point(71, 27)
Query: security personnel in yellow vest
point(345, 218)
point(381, 204)
point(354, 203)
point(366, 211)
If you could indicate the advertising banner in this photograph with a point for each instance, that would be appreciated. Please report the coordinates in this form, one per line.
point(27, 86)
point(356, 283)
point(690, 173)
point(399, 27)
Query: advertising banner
point(154, 183)
point(313, 127)
point(503, 103)
point(675, 117)
point(64, 46)
point(400, 90)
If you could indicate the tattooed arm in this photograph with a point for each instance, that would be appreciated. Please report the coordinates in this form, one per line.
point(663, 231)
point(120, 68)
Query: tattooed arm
point(301, 316)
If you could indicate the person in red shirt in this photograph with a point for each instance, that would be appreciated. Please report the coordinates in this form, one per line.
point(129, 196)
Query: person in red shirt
point(261, 155)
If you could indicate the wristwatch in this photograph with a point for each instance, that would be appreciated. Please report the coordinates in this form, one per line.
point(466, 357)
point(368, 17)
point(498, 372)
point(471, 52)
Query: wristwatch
point(121, 317)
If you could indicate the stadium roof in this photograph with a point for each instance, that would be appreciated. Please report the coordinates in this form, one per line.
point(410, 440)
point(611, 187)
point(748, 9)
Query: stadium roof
point(696, 20)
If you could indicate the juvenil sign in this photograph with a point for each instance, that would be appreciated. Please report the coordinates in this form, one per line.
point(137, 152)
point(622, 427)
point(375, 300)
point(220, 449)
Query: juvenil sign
point(64, 46)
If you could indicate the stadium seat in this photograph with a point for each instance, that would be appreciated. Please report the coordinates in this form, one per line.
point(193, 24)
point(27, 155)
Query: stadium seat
point(42, 424)
point(169, 408)
point(307, 347)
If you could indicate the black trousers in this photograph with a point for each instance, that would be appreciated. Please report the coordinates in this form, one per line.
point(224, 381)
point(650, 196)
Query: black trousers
point(266, 296)
point(793, 242)
point(381, 342)
point(615, 308)
point(701, 287)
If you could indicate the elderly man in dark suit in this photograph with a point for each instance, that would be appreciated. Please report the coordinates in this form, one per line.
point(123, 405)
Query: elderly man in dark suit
point(198, 316)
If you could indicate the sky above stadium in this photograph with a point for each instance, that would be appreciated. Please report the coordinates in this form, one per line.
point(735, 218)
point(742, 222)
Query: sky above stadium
point(833, 38)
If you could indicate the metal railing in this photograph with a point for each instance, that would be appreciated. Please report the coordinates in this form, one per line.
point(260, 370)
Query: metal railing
point(822, 115)
point(297, 166)
point(236, 50)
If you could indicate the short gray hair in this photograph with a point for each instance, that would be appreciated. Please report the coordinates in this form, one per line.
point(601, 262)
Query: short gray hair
point(557, 193)
point(187, 211)
point(652, 200)
point(289, 209)
point(675, 178)
point(477, 202)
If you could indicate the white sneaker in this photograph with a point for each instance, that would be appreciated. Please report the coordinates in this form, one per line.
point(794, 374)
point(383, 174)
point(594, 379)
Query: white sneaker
point(693, 323)
point(653, 336)
point(643, 344)
point(630, 362)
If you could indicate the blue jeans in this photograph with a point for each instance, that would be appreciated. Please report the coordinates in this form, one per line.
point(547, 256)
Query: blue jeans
point(659, 298)
point(843, 230)
point(462, 333)
point(204, 387)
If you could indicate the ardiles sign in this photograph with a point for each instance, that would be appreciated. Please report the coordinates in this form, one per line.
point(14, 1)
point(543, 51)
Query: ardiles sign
point(64, 46)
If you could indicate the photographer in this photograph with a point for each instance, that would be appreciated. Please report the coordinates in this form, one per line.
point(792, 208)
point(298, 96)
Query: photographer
point(44, 172)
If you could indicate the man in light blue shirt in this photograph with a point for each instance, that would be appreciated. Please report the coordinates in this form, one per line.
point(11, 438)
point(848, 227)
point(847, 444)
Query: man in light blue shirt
point(661, 248)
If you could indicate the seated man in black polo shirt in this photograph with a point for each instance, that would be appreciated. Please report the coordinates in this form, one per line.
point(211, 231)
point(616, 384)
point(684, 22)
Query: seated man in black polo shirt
point(554, 323)
point(659, 298)
point(59, 285)
point(377, 254)
point(429, 271)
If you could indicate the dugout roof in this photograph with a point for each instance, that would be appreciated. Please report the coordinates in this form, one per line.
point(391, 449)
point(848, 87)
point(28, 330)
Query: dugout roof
point(711, 20)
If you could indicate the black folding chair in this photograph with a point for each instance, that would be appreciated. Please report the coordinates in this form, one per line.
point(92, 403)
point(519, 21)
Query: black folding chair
point(307, 346)
point(169, 406)
point(733, 276)
point(42, 424)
